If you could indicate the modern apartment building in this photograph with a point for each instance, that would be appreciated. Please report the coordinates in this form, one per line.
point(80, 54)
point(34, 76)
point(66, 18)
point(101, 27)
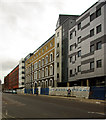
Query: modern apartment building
point(39, 66)
point(21, 73)
point(64, 23)
point(87, 48)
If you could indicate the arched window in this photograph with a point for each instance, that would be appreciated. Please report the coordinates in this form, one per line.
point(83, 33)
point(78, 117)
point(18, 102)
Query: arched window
point(42, 72)
point(51, 69)
point(46, 71)
point(46, 83)
point(43, 84)
point(51, 57)
point(42, 61)
point(35, 66)
point(35, 75)
point(46, 59)
point(51, 82)
point(39, 63)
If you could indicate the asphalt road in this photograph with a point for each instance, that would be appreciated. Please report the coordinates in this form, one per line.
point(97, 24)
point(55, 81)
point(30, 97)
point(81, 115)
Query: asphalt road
point(28, 106)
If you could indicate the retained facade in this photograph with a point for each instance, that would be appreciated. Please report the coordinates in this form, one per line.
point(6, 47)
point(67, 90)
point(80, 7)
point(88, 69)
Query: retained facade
point(39, 67)
point(87, 48)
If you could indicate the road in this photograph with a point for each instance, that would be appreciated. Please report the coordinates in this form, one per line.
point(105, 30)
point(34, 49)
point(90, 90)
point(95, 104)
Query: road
point(29, 106)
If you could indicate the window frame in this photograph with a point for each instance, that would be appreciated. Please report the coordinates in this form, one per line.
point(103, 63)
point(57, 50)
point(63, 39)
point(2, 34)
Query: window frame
point(92, 48)
point(98, 29)
point(99, 63)
point(98, 45)
point(92, 65)
point(79, 26)
point(92, 32)
point(79, 55)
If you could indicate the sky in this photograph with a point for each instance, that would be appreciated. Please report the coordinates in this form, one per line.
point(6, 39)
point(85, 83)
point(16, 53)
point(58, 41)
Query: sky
point(26, 24)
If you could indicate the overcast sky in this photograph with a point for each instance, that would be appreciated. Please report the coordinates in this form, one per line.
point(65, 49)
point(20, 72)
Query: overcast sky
point(26, 24)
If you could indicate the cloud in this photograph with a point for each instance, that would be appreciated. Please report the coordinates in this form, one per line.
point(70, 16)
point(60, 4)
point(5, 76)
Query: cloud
point(8, 64)
point(26, 24)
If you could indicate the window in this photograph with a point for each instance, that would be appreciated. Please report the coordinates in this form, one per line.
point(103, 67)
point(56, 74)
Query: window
point(99, 45)
point(51, 69)
point(39, 74)
point(75, 33)
point(46, 71)
point(36, 64)
point(75, 71)
point(42, 61)
point(92, 17)
point(70, 35)
point(58, 34)
point(92, 48)
point(46, 47)
point(71, 47)
point(39, 63)
point(51, 57)
point(57, 44)
point(75, 57)
point(35, 75)
point(46, 83)
point(79, 68)
point(42, 50)
point(51, 82)
point(22, 83)
point(23, 67)
point(23, 61)
point(70, 73)
point(92, 32)
point(71, 59)
point(79, 53)
point(79, 26)
point(57, 64)
point(63, 31)
point(99, 63)
point(75, 45)
point(98, 12)
point(57, 75)
point(98, 29)
point(42, 72)
point(23, 77)
point(39, 52)
point(51, 44)
point(46, 59)
point(91, 65)
point(23, 72)
point(79, 39)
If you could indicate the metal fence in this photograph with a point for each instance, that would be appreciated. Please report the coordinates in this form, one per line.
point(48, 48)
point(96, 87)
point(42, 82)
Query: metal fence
point(97, 93)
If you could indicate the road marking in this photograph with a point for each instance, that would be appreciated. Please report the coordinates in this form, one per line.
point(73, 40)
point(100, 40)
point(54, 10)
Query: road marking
point(10, 116)
point(6, 112)
point(97, 113)
point(6, 116)
point(97, 102)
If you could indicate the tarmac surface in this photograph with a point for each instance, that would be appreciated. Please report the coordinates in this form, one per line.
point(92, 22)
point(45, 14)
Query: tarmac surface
point(93, 101)
point(29, 106)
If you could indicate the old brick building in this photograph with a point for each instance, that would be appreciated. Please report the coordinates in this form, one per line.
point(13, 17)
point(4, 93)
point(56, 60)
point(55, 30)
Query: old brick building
point(11, 81)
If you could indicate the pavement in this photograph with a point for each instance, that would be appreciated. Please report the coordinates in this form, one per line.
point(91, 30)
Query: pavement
point(93, 101)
